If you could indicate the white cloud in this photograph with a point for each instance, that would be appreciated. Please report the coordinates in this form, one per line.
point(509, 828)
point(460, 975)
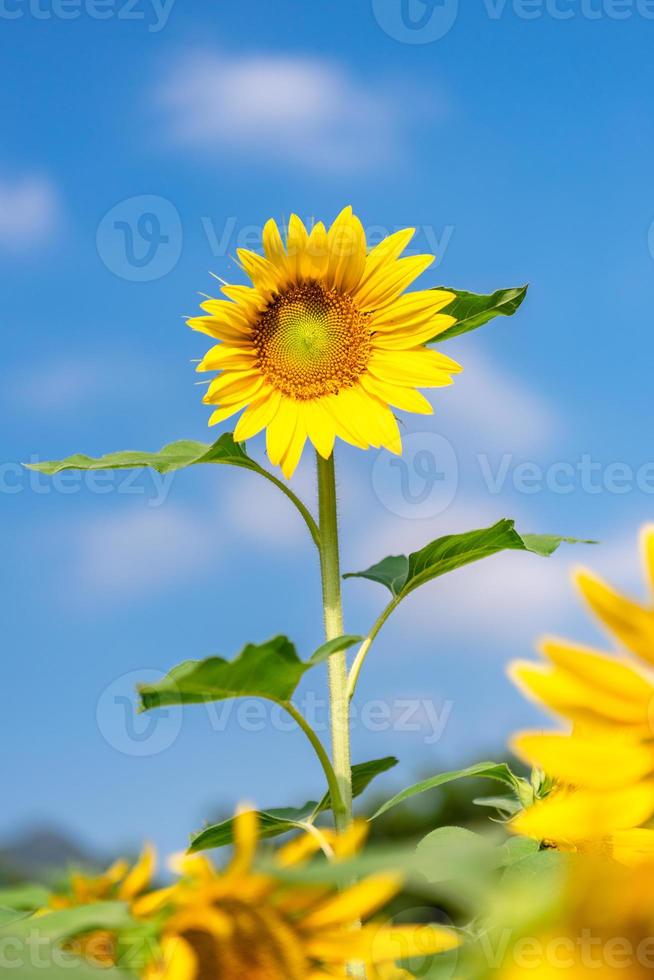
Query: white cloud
point(140, 552)
point(491, 410)
point(30, 211)
point(299, 110)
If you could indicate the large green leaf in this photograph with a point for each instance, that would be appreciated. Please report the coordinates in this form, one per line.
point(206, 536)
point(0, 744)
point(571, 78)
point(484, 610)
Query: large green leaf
point(274, 822)
point(482, 770)
point(473, 310)
point(401, 574)
point(269, 670)
point(26, 898)
point(174, 456)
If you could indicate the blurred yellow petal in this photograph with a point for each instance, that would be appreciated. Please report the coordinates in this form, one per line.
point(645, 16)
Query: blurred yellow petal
point(140, 875)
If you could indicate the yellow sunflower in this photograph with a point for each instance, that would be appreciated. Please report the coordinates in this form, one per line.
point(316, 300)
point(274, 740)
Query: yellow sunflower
point(600, 927)
point(241, 923)
point(325, 340)
point(118, 883)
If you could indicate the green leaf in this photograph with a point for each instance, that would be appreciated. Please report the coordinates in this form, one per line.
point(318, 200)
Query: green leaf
point(362, 775)
point(26, 898)
point(517, 848)
point(473, 310)
point(451, 852)
point(271, 670)
point(401, 575)
point(58, 926)
point(174, 456)
point(274, 822)
point(482, 770)
point(7, 916)
point(331, 647)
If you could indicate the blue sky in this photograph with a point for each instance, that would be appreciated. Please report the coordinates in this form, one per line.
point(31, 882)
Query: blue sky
point(518, 139)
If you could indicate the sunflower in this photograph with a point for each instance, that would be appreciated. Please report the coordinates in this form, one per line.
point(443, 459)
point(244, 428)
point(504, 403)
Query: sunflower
point(242, 923)
point(603, 766)
point(607, 823)
point(118, 883)
point(325, 340)
point(597, 924)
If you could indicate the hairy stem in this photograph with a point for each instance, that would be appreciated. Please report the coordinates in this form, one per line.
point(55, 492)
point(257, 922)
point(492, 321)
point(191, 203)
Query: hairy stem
point(333, 615)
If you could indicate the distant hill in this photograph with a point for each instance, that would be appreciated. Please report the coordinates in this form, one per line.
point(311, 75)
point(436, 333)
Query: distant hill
point(40, 853)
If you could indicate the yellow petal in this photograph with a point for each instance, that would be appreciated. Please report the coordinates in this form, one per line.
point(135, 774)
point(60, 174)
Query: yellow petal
point(223, 356)
point(606, 674)
point(222, 414)
point(257, 416)
point(232, 387)
point(217, 328)
point(357, 902)
point(594, 761)
point(297, 239)
point(320, 427)
point(421, 369)
point(263, 273)
point(631, 847)
point(246, 835)
point(316, 259)
point(347, 252)
point(575, 699)
point(178, 961)
point(387, 284)
point(647, 551)
point(140, 876)
point(386, 252)
point(411, 309)
point(407, 399)
point(291, 457)
point(279, 432)
point(582, 815)
point(630, 622)
point(404, 338)
point(273, 246)
point(348, 426)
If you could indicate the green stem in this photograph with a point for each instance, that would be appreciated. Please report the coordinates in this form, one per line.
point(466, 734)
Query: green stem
point(333, 614)
point(364, 649)
point(330, 775)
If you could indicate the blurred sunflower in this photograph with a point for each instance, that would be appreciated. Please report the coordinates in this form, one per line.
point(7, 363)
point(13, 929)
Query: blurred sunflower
point(241, 923)
point(603, 767)
point(600, 927)
point(118, 883)
point(325, 340)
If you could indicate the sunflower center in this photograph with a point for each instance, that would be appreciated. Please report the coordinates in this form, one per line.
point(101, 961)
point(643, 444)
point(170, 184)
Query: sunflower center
point(258, 945)
point(312, 341)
